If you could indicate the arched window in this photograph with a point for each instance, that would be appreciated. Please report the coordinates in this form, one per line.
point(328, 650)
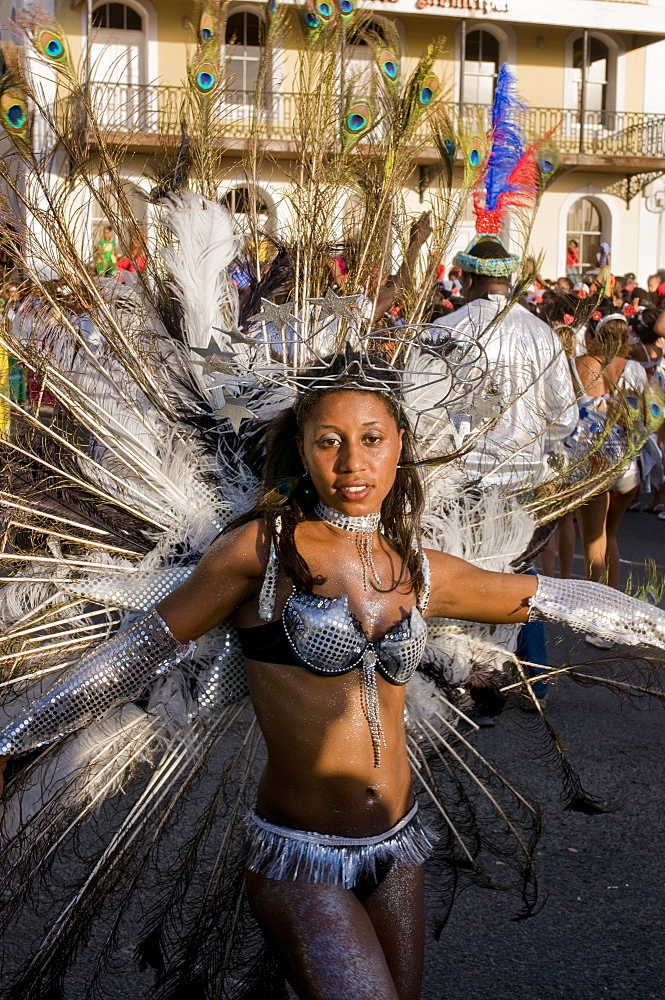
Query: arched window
point(245, 39)
point(585, 226)
point(118, 16)
point(117, 60)
point(597, 73)
point(482, 58)
point(247, 207)
point(375, 28)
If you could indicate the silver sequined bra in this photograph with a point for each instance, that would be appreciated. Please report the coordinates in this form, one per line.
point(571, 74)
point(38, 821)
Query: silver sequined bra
point(324, 636)
point(329, 639)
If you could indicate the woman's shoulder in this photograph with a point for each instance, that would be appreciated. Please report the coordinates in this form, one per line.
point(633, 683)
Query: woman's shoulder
point(588, 368)
point(245, 546)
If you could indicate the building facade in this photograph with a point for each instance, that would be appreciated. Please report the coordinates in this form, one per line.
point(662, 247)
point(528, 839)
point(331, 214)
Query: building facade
point(589, 68)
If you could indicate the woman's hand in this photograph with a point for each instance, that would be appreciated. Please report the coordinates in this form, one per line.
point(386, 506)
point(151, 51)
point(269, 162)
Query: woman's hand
point(462, 590)
point(227, 575)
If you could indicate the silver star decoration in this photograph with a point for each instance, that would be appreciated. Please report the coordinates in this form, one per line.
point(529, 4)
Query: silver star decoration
point(217, 363)
point(342, 306)
point(234, 412)
point(214, 358)
point(485, 407)
point(212, 348)
point(279, 316)
point(235, 335)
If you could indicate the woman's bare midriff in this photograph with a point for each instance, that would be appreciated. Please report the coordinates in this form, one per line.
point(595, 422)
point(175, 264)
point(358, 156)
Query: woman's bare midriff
point(320, 774)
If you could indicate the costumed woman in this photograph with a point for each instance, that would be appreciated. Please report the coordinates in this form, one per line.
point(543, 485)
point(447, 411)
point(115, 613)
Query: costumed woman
point(601, 376)
point(338, 580)
point(329, 593)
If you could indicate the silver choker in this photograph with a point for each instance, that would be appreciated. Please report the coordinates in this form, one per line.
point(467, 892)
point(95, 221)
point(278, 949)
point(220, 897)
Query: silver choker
point(364, 522)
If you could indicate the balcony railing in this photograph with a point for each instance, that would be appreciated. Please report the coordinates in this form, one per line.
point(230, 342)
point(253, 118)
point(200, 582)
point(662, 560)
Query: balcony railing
point(157, 110)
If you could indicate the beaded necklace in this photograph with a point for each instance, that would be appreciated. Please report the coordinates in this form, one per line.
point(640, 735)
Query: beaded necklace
point(363, 527)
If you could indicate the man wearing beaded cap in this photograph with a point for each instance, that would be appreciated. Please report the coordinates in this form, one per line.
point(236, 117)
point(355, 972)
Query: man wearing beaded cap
point(528, 379)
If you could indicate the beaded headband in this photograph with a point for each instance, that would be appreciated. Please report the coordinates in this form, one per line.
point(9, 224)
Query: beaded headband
point(491, 267)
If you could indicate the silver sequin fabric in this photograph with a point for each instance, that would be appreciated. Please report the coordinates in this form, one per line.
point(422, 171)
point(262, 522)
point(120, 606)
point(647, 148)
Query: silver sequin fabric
point(112, 674)
point(225, 679)
point(284, 853)
point(330, 639)
point(268, 593)
point(137, 591)
point(594, 608)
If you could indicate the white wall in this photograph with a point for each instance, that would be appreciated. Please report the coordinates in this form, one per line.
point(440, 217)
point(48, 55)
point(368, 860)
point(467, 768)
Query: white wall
point(654, 92)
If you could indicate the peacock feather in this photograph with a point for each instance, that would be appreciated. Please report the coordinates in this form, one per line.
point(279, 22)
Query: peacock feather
point(51, 44)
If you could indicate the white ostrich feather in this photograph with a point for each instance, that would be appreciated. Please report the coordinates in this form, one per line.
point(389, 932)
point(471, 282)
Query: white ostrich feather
point(207, 245)
point(425, 701)
point(486, 529)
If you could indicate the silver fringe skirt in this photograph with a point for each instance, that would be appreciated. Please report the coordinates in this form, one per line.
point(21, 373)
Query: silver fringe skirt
point(281, 852)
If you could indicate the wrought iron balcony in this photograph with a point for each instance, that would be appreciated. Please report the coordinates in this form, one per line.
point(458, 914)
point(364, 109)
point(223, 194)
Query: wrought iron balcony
point(145, 115)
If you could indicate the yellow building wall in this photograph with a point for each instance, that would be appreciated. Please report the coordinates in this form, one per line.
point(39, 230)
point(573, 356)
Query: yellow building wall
point(634, 80)
point(622, 228)
point(539, 50)
point(540, 55)
point(176, 42)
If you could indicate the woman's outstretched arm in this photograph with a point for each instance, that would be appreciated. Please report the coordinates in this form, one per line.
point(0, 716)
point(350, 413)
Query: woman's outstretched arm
point(461, 590)
point(226, 577)
point(118, 671)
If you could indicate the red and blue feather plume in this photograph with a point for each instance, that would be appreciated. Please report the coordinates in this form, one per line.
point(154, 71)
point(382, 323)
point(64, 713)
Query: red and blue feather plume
point(511, 176)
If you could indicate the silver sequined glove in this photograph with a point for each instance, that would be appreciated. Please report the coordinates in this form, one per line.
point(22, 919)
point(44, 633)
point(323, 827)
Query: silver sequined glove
point(114, 673)
point(592, 607)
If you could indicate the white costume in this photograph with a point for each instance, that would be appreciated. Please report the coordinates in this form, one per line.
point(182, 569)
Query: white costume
point(528, 373)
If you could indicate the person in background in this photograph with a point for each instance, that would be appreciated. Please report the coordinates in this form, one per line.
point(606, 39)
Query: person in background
point(529, 373)
point(601, 375)
point(648, 348)
point(573, 260)
point(603, 279)
point(135, 260)
point(107, 258)
point(635, 299)
point(656, 289)
point(453, 283)
point(562, 541)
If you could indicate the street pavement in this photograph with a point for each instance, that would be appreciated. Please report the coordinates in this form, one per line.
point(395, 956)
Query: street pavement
point(599, 932)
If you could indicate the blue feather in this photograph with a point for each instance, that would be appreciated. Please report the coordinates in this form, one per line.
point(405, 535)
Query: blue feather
point(508, 139)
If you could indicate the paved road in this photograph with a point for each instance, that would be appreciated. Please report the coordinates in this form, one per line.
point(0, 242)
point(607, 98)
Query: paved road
point(599, 933)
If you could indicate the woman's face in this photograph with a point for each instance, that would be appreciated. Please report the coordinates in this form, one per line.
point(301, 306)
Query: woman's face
point(350, 445)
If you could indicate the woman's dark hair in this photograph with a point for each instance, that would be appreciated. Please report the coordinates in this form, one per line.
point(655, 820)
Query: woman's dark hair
point(643, 323)
point(400, 513)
